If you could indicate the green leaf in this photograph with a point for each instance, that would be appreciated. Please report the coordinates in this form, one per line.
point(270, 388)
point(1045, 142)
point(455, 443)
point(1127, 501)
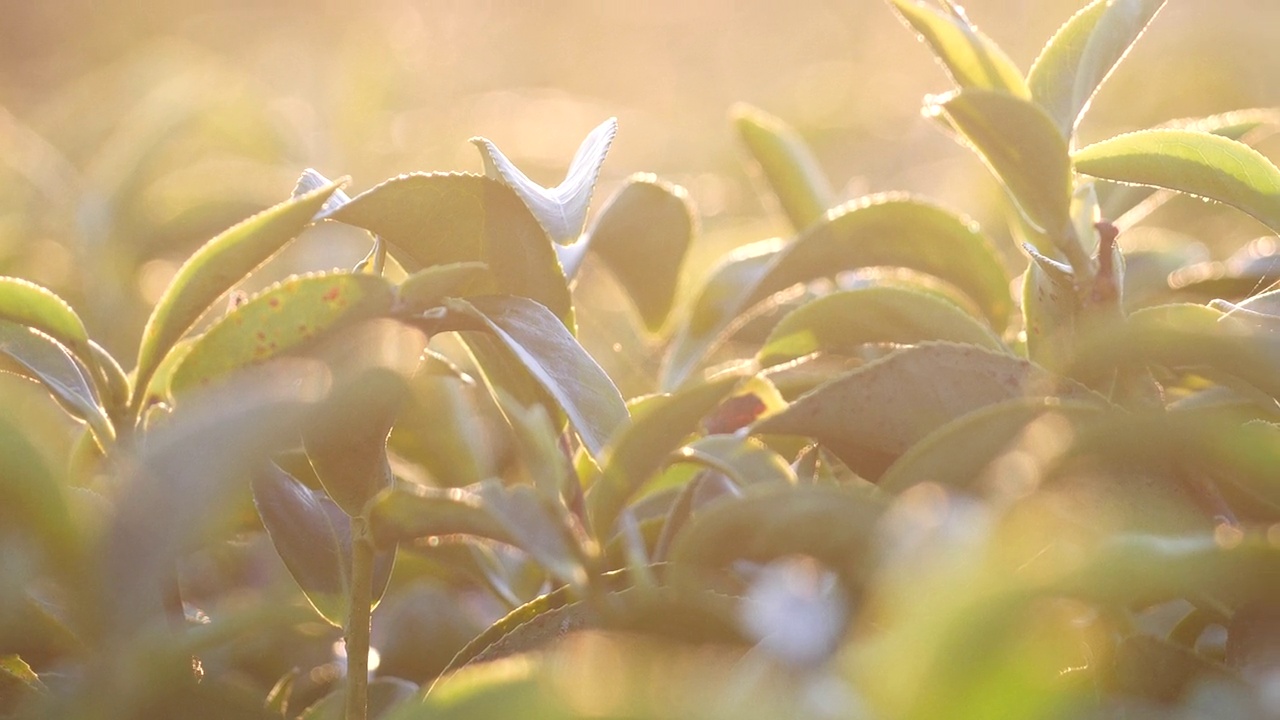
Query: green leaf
point(215, 268)
point(642, 235)
point(841, 321)
point(833, 524)
point(438, 219)
point(956, 454)
point(313, 537)
point(1022, 147)
point(428, 287)
point(346, 441)
point(1050, 309)
point(1083, 53)
point(39, 357)
point(641, 448)
point(969, 57)
point(311, 180)
point(283, 317)
point(785, 162)
point(1196, 163)
point(534, 337)
point(878, 231)
point(516, 515)
point(874, 414)
point(744, 460)
point(450, 427)
point(26, 303)
point(561, 210)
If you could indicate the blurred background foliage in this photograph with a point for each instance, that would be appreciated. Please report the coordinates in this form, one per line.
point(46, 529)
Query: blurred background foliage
point(131, 133)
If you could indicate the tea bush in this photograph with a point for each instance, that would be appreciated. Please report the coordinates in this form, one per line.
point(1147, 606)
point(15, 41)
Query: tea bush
point(880, 476)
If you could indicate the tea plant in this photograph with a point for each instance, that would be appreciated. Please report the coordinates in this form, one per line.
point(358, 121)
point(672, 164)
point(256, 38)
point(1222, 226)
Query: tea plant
point(874, 481)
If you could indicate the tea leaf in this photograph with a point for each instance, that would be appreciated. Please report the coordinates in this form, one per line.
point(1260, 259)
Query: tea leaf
point(39, 357)
point(428, 287)
point(311, 180)
point(534, 337)
point(1049, 307)
point(786, 163)
point(1022, 147)
point(744, 460)
point(561, 210)
point(833, 524)
point(515, 515)
point(33, 501)
point(313, 537)
point(281, 318)
point(955, 454)
point(642, 235)
point(640, 449)
point(384, 693)
point(1083, 53)
point(878, 231)
point(438, 219)
point(874, 414)
point(841, 321)
point(1196, 163)
point(214, 269)
point(969, 57)
point(28, 304)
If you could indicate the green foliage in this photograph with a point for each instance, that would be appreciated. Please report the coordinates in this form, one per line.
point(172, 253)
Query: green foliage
point(867, 479)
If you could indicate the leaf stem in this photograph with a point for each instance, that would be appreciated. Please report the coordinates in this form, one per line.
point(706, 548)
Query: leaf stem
point(357, 634)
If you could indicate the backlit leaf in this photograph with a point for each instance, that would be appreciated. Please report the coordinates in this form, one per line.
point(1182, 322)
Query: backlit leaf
point(642, 235)
point(426, 288)
point(1196, 163)
point(561, 210)
point(744, 460)
point(786, 163)
point(26, 303)
point(970, 58)
point(1022, 147)
point(641, 448)
point(215, 268)
point(38, 357)
point(841, 321)
point(1083, 53)
point(443, 218)
point(874, 414)
point(280, 319)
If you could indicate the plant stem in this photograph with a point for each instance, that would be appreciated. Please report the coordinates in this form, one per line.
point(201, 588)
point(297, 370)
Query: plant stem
point(357, 635)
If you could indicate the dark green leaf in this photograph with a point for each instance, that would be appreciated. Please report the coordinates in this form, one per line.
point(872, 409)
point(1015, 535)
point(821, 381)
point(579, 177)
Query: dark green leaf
point(313, 537)
point(643, 235)
point(1022, 147)
point(786, 163)
point(841, 321)
point(970, 58)
point(1083, 53)
point(1196, 163)
point(437, 219)
point(282, 318)
point(215, 268)
point(875, 413)
point(39, 357)
point(640, 449)
point(533, 336)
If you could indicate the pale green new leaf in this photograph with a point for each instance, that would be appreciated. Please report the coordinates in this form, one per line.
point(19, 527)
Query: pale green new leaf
point(786, 164)
point(1022, 146)
point(970, 58)
point(561, 210)
point(26, 303)
point(1083, 53)
point(1196, 163)
point(215, 268)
